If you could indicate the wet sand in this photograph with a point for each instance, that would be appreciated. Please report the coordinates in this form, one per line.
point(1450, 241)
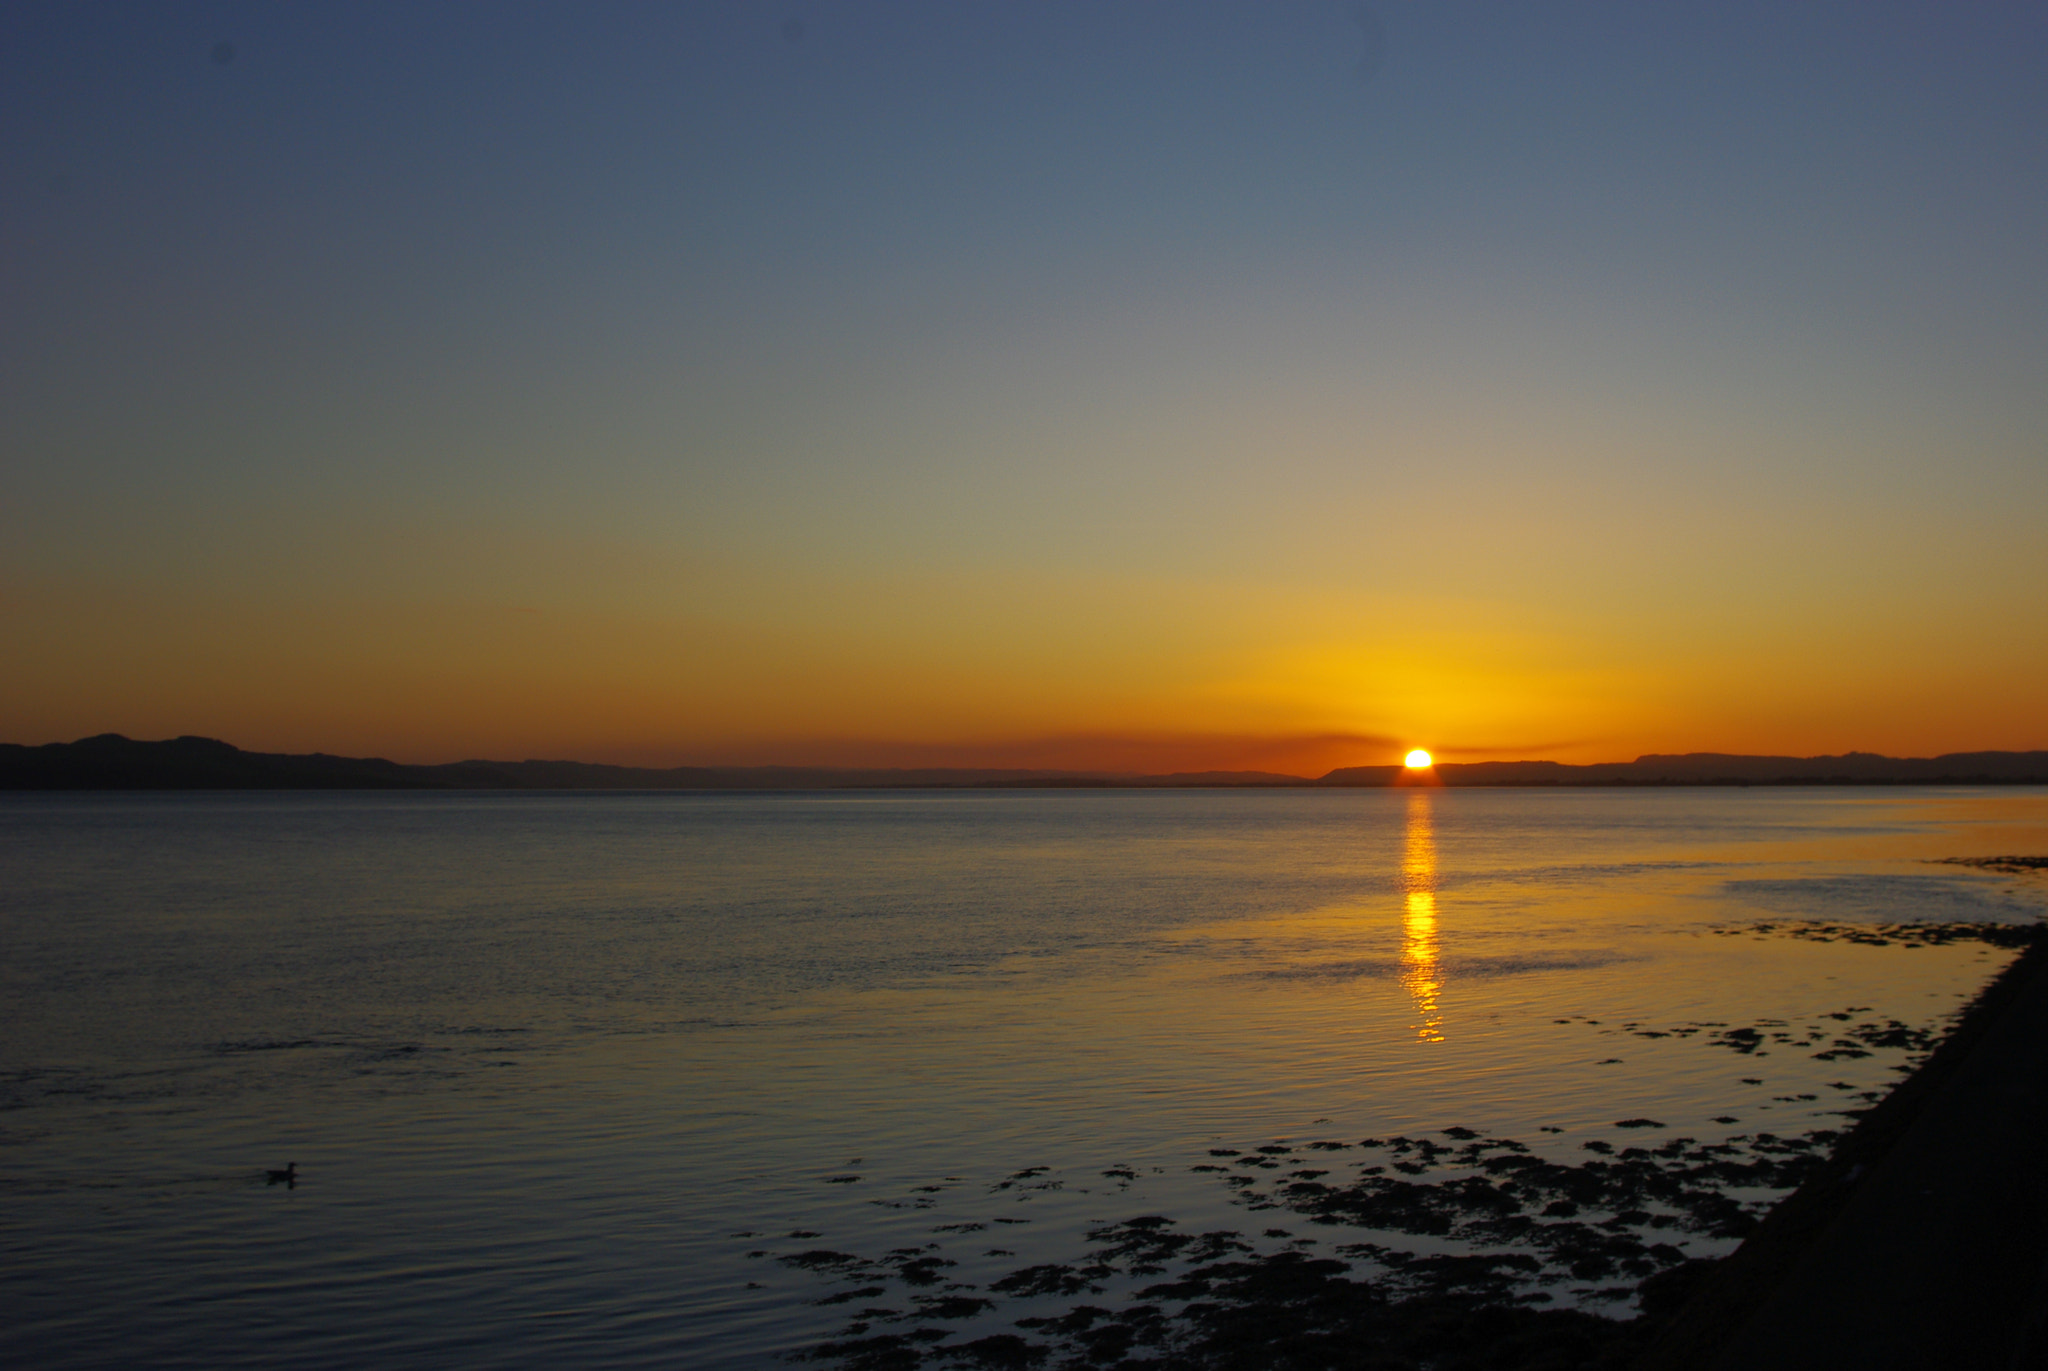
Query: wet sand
point(1922, 1242)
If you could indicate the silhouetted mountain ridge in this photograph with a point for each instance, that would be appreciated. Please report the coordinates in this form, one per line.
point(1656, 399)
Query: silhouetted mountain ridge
point(113, 762)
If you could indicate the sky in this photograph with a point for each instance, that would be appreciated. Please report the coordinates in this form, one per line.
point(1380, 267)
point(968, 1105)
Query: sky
point(1132, 386)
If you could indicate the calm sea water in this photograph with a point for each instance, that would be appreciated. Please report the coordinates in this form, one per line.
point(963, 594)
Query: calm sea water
point(553, 1066)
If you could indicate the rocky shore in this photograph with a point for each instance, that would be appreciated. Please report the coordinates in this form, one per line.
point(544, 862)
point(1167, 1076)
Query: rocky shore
point(1913, 1236)
point(1921, 1242)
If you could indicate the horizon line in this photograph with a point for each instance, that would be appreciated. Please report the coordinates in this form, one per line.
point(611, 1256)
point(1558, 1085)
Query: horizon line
point(1697, 762)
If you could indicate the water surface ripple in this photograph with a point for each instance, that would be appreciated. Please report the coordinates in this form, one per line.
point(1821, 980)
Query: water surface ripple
point(553, 1066)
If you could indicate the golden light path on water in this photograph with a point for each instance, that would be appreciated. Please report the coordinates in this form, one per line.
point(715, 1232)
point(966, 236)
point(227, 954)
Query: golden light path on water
point(1421, 973)
point(675, 1018)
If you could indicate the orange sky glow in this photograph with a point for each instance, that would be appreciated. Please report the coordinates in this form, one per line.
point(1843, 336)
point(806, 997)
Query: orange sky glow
point(1563, 391)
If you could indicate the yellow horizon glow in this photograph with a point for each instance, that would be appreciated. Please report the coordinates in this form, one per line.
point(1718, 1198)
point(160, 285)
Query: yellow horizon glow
point(622, 653)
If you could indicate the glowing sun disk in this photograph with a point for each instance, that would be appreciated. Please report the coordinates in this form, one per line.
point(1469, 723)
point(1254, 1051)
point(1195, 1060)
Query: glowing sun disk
point(1418, 759)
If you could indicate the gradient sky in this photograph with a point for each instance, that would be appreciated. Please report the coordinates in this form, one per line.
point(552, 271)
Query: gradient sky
point(1075, 384)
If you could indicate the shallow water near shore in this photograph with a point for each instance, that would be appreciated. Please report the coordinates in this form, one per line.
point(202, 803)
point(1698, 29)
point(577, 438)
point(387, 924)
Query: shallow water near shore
point(590, 1078)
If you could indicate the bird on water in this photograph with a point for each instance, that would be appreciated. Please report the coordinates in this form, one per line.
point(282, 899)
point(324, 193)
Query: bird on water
point(289, 1177)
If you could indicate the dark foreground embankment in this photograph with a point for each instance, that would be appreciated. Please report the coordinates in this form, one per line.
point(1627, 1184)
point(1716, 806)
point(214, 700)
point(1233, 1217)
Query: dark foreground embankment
point(1921, 1243)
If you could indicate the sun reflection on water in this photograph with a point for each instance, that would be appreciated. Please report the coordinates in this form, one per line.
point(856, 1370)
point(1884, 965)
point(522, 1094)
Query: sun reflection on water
point(1421, 973)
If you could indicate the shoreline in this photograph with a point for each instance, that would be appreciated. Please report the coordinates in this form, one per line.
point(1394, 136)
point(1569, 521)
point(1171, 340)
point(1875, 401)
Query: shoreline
point(1851, 1261)
point(1524, 1223)
point(1782, 1298)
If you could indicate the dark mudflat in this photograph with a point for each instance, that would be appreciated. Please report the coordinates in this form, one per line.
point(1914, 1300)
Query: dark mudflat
point(1923, 1244)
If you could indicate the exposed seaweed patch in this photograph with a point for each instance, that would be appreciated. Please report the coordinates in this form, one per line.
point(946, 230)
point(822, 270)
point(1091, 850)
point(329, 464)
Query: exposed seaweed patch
point(1504, 1230)
point(1890, 934)
point(2013, 866)
point(1826, 1037)
point(1447, 1250)
point(1229, 1305)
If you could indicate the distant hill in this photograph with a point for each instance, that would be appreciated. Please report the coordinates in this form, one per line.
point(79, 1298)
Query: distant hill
point(112, 762)
point(1720, 768)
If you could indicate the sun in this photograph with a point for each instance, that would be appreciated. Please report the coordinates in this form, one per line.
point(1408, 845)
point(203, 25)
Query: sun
point(1418, 760)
